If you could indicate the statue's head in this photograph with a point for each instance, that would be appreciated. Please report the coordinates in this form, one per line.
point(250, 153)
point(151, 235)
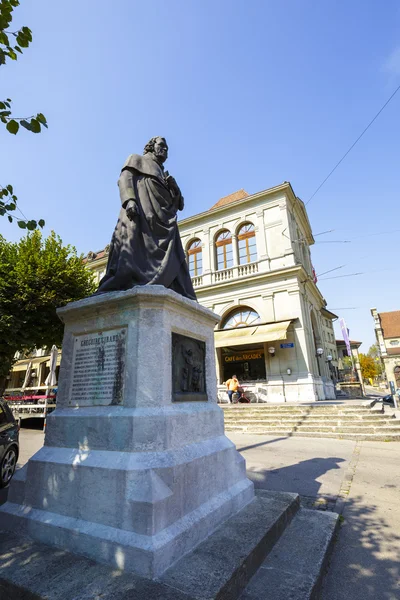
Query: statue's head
point(159, 147)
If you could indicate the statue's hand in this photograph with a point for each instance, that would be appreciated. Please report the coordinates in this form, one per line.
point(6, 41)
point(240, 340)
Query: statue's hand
point(173, 186)
point(132, 210)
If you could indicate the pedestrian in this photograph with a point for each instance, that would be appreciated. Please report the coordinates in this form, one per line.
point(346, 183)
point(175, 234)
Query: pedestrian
point(232, 386)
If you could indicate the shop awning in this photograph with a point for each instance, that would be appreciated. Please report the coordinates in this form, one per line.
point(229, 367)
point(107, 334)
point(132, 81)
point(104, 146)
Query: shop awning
point(252, 335)
point(22, 365)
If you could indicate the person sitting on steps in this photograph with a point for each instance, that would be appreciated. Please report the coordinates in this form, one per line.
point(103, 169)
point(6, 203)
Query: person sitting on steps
point(232, 386)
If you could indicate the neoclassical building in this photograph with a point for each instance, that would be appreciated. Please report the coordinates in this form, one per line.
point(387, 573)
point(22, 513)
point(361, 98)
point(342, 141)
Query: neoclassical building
point(249, 258)
point(387, 332)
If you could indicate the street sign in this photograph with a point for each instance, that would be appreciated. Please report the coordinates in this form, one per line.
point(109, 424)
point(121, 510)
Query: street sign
point(288, 345)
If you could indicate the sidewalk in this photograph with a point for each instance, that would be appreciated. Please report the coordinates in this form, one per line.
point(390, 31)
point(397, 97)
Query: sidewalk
point(366, 561)
point(360, 480)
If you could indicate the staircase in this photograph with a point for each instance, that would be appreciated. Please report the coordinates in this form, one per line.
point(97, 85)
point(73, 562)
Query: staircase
point(270, 550)
point(343, 421)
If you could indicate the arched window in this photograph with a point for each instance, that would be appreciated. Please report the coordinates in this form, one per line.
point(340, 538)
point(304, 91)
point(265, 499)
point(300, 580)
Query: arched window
point(241, 317)
point(247, 244)
point(224, 250)
point(195, 259)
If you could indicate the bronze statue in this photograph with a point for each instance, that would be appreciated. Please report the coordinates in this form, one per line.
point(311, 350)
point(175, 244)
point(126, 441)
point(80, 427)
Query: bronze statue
point(146, 247)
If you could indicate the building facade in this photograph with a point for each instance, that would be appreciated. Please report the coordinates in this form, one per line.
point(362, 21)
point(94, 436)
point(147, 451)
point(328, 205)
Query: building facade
point(387, 332)
point(249, 259)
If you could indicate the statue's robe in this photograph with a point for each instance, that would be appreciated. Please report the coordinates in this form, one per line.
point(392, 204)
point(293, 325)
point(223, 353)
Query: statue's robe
point(147, 250)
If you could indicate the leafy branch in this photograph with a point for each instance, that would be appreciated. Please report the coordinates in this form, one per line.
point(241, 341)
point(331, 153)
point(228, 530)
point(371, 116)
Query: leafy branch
point(12, 43)
point(23, 36)
point(33, 123)
point(8, 204)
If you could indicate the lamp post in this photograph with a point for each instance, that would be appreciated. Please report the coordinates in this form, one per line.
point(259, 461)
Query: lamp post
point(319, 353)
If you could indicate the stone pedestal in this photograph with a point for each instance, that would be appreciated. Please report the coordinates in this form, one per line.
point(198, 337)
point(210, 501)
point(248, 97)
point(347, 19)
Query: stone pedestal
point(136, 469)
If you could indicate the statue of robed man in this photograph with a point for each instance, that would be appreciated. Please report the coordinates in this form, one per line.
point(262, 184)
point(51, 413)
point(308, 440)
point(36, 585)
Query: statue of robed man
point(146, 247)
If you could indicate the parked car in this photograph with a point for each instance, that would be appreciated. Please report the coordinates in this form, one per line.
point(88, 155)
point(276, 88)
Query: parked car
point(9, 445)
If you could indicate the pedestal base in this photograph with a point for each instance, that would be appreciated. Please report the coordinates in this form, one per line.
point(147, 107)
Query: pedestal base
point(140, 481)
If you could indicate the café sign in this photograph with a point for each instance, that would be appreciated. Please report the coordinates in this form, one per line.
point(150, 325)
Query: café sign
point(249, 355)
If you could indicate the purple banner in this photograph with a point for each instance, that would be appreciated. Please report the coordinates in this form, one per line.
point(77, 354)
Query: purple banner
point(345, 334)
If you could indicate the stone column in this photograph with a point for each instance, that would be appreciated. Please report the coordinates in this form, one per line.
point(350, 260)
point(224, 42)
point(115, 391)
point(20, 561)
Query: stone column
point(260, 237)
point(207, 257)
point(235, 250)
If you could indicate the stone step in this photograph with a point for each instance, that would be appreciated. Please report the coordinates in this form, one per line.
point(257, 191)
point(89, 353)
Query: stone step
point(274, 411)
point(327, 416)
point(316, 431)
point(308, 428)
point(298, 407)
point(295, 567)
point(219, 567)
point(377, 437)
point(222, 565)
point(333, 423)
point(369, 419)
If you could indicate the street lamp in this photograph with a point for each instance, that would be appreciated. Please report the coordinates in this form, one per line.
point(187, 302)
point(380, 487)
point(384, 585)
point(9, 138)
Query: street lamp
point(320, 352)
point(271, 350)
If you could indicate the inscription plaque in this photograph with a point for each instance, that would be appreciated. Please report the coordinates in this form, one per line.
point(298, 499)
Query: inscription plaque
point(98, 368)
point(188, 369)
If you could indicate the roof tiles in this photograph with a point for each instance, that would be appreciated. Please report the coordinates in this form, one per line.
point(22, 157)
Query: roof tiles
point(239, 195)
point(390, 322)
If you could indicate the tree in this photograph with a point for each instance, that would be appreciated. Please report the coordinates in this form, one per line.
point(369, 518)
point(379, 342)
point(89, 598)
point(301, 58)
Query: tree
point(368, 365)
point(12, 44)
point(37, 275)
point(374, 351)
point(375, 354)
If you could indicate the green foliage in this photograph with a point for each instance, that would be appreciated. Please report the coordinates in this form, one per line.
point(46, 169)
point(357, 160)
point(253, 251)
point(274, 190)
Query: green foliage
point(37, 275)
point(11, 44)
point(22, 37)
point(374, 351)
point(368, 367)
point(347, 362)
point(8, 204)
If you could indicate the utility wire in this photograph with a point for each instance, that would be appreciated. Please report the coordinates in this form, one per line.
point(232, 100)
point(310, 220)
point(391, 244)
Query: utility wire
point(352, 146)
point(335, 242)
point(339, 276)
point(346, 308)
point(323, 232)
point(330, 271)
point(359, 237)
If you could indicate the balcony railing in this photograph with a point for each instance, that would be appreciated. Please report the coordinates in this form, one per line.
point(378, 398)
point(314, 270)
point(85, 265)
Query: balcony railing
point(248, 269)
point(225, 274)
point(197, 281)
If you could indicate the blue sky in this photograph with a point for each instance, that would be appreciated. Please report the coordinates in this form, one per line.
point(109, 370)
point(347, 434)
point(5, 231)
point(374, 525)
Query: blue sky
point(247, 93)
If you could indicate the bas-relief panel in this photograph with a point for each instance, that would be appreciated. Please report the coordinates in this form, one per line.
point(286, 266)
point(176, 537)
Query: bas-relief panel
point(188, 369)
